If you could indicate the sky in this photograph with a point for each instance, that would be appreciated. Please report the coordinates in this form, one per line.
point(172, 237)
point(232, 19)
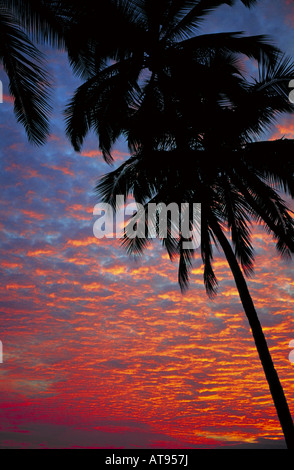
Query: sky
point(103, 351)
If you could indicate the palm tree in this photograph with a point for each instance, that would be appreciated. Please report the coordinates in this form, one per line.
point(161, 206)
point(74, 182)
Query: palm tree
point(232, 177)
point(143, 86)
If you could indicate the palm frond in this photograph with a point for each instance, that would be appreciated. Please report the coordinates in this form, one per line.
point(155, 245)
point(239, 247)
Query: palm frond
point(87, 51)
point(185, 264)
point(135, 238)
point(104, 103)
point(249, 3)
point(267, 207)
point(193, 15)
point(235, 213)
point(273, 159)
point(118, 182)
point(267, 100)
point(274, 77)
point(258, 47)
point(27, 80)
point(45, 21)
point(78, 114)
point(207, 240)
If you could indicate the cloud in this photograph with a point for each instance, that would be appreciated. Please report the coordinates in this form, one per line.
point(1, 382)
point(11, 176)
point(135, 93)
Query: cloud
point(284, 129)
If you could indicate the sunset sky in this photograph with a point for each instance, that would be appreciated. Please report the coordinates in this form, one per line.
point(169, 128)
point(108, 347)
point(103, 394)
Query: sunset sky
point(103, 351)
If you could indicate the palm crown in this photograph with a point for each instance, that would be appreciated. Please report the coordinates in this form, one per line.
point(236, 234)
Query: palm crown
point(155, 49)
point(191, 117)
point(190, 121)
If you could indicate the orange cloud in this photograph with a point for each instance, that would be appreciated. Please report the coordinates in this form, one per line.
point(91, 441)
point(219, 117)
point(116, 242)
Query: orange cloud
point(64, 170)
point(33, 215)
point(116, 154)
point(115, 270)
point(25, 171)
point(20, 286)
point(40, 252)
point(10, 265)
point(94, 286)
point(91, 153)
point(284, 129)
point(85, 242)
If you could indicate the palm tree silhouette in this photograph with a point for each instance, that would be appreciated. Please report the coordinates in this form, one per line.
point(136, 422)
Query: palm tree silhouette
point(190, 119)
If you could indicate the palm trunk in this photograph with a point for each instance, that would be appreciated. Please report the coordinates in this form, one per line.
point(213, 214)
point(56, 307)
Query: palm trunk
point(259, 338)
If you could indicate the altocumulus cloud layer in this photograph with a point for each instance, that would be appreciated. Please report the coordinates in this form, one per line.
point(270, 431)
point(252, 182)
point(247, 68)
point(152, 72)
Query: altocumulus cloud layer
point(101, 350)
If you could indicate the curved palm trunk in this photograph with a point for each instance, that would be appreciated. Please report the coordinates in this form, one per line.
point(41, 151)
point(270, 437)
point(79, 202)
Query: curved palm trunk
point(259, 338)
